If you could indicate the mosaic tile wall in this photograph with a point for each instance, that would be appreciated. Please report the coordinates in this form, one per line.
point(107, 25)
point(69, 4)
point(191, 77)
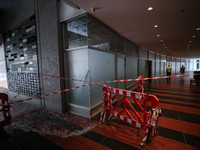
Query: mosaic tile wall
point(20, 45)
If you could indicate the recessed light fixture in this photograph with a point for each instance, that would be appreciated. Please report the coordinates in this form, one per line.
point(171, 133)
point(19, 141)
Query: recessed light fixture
point(156, 26)
point(165, 47)
point(161, 41)
point(190, 41)
point(150, 8)
point(193, 36)
point(188, 45)
point(158, 35)
point(198, 29)
point(163, 44)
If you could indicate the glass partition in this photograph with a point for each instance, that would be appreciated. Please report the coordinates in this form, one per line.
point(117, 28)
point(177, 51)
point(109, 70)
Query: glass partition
point(131, 49)
point(86, 30)
point(77, 32)
point(102, 37)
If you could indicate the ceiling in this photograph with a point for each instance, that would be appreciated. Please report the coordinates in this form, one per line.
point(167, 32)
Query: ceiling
point(177, 22)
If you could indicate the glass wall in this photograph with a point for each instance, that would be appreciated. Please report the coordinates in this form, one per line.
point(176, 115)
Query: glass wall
point(85, 30)
point(131, 70)
point(101, 68)
point(131, 49)
point(102, 37)
point(173, 65)
point(197, 64)
point(178, 66)
point(76, 32)
point(77, 68)
point(157, 68)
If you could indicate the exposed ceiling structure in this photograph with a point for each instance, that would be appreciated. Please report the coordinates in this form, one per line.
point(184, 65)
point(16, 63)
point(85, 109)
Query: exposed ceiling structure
point(177, 33)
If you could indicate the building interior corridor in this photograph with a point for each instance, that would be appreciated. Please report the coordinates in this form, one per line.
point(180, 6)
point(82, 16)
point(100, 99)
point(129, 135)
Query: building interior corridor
point(179, 125)
point(58, 58)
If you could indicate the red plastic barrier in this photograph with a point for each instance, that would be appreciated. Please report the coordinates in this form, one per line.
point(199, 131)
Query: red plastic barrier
point(5, 117)
point(140, 84)
point(148, 121)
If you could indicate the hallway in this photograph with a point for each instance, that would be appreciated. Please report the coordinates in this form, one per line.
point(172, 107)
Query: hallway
point(179, 126)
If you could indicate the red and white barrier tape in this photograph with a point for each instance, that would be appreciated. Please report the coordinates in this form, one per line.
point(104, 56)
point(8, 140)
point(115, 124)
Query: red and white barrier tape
point(48, 94)
point(101, 82)
point(89, 84)
point(148, 78)
point(24, 88)
point(62, 78)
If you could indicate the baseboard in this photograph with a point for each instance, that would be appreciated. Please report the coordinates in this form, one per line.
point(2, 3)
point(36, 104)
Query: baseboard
point(79, 110)
point(96, 109)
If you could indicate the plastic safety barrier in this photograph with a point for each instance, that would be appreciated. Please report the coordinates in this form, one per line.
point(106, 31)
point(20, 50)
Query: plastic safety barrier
point(140, 84)
point(148, 121)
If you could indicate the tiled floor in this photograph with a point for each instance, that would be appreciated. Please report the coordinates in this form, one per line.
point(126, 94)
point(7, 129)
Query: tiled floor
point(44, 129)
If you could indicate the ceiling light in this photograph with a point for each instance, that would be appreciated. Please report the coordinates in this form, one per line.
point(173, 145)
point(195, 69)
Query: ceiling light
point(165, 47)
point(163, 44)
point(188, 45)
point(161, 41)
point(190, 41)
point(193, 36)
point(150, 8)
point(198, 29)
point(158, 35)
point(155, 26)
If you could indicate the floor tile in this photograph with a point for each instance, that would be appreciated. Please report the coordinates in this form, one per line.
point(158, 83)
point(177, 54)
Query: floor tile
point(190, 117)
point(171, 134)
point(18, 135)
point(117, 145)
point(77, 142)
point(192, 140)
point(38, 142)
point(7, 144)
point(169, 113)
point(96, 137)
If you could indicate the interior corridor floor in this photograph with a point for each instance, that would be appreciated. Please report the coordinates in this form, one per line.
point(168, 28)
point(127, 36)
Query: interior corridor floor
point(43, 129)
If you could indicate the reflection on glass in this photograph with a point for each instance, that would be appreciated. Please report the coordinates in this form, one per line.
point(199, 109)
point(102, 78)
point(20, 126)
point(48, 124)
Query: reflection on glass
point(132, 49)
point(77, 32)
point(88, 31)
point(102, 37)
